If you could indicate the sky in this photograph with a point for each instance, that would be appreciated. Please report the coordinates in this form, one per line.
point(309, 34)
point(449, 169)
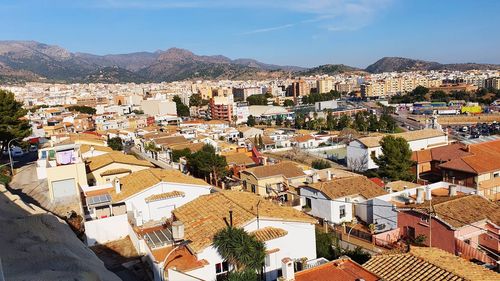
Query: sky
point(286, 32)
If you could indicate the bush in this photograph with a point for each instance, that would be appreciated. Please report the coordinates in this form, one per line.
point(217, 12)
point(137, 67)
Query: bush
point(115, 143)
point(321, 164)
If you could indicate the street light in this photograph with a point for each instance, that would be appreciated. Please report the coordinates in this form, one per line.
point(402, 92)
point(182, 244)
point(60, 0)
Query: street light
point(183, 243)
point(10, 156)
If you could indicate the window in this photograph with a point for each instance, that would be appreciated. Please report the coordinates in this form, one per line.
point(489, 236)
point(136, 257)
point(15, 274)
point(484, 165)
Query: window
point(342, 211)
point(221, 270)
point(253, 188)
point(495, 175)
point(245, 185)
point(308, 203)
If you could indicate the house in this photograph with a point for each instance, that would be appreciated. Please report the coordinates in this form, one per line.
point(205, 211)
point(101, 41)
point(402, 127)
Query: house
point(239, 160)
point(456, 223)
point(64, 170)
point(427, 161)
point(333, 199)
point(305, 141)
point(361, 150)
point(422, 263)
point(478, 168)
point(103, 168)
point(341, 269)
point(88, 151)
point(249, 132)
point(146, 197)
point(278, 227)
point(273, 180)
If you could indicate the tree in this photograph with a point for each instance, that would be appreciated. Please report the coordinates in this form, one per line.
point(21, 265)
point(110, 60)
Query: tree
point(178, 153)
point(279, 120)
point(251, 121)
point(321, 164)
point(240, 249)
point(260, 99)
point(299, 121)
point(12, 125)
point(247, 275)
point(261, 142)
point(83, 109)
point(196, 100)
point(116, 143)
point(288, 103)
point(182, 109)
point(360, 123)
point(439, 96)
point(395, 161)
point(138, 111)
point(205, 162)
point(324, 247)
point(344, 122)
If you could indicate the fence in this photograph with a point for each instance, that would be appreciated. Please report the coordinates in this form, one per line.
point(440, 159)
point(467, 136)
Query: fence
point(359, 234)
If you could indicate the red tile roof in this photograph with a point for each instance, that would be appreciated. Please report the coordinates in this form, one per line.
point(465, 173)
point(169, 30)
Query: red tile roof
point(343, 269)
point(482, 158)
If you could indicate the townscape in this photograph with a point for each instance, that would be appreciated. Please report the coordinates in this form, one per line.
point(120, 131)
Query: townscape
point(173, 166)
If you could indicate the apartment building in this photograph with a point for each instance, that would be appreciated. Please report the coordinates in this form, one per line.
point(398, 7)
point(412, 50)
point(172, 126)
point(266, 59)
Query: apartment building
point(221, 108)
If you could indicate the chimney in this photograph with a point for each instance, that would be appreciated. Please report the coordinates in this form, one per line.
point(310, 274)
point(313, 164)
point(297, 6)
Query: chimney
point(328, 175)
point(118, 185)
point(428, 193)
point(287, 269)
point(452, 190)
point(177, 230)
point(420, 195)
point(315, 177)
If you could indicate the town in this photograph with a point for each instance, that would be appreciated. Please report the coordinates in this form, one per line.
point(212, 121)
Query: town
point(363, 176)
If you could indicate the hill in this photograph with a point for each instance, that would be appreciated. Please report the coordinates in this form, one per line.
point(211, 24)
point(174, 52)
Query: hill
point(395, 64)
point(329, 69)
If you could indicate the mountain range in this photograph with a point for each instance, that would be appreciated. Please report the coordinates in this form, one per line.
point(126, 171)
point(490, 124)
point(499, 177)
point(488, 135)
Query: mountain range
point(34, 61)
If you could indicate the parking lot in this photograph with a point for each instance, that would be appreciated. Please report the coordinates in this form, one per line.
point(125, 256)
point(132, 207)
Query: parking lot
point(479, 132)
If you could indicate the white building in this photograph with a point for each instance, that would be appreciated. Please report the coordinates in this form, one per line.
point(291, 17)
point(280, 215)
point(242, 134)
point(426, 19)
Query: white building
point(159, 107)
point(361, 151)
point(285, 231)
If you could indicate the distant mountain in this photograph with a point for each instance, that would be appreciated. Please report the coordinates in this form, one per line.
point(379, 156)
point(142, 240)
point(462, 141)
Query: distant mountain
point(33, 61)
point(329, 69)
point(391, 64)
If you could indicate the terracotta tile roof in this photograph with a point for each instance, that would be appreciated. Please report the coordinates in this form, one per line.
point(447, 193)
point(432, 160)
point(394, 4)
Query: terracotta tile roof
point(421, 156)
point(427, 264)
point(378, 181)
point(357, 185)
point(268, 233)
point(287, 169)
point(115, 172)
point(461, 210)
point(170, 140)
point(100, 161)
point(482, 158)
point(448, 152)
point(166, 195)
point(193, 147)
point(181, 259)
point(409, 136)
point(144, 179)
point(303, 138)
point(400, 185)
point(239, 159)
point(86, 148)
point(342, 269)
point(206, 215)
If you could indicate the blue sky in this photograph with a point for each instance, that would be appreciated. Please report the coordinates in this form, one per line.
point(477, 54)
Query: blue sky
point(292, 32)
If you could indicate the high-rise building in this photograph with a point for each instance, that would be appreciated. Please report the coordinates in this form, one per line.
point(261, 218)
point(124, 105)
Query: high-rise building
point(221, 108)
point(325, 85)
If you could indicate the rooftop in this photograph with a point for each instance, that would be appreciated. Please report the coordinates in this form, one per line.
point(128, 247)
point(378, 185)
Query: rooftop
point(342, 187)
point(342, 269)
point(287, 169)
point(408, 136)
point(481, 158)
point(423, 263)
point(97, 162)
point(206, 215)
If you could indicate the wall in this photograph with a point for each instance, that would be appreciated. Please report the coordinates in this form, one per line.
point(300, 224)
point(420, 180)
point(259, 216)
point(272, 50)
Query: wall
point(327, 209)
point(378, 212)
point(162, 208)
point(174, 275)
point(72, 171)
point(442, 236)
point(101, 231)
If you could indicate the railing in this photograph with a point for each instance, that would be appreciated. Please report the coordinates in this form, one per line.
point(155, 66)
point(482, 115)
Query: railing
point(359, 234)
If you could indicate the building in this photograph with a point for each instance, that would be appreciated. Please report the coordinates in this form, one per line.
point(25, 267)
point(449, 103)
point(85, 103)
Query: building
point(324, 105)
point(272, 180)
point(427, 264)
point(159, 107)
point(360, 151)
point(278, 227)
point(333, 199)
point(104, 168)
point(454, 222)
point(325, 85)
point(221, 108)
point(493, 83)
point(342, 269)
point(241, 94)
point(300, 88)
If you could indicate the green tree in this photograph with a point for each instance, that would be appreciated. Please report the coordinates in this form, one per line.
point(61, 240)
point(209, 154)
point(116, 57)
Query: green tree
point(12, 125)
point(360, 124)
point(395, 161)
point(116, 143)
point(439, 96)
point(240, 249)
point(344, 122)
point(387, 123)
point(279, 120)
point(288, 103)
point(205, 162)
point(321, 164)
point(260, 99)
point(324, 247)
point(251, 121)
point(178, 153)
point(247, 275)
point(261, 142)
point(83, 109)
point(182, 109)
point(373, 125)
point(138, 111)
point(197, 100)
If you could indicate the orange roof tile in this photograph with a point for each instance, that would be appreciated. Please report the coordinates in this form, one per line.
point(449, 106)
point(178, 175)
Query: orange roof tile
point(343, 269)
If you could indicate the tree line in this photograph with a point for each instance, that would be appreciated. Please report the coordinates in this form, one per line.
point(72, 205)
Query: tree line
point(421, 93)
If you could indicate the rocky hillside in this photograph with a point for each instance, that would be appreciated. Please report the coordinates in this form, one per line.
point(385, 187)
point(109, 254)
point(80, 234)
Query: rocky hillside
point(390, 64)
point(330, 69)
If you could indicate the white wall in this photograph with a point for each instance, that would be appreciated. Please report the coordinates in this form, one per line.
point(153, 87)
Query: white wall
point(325, 208)
point(162, 208)
point(101, 231)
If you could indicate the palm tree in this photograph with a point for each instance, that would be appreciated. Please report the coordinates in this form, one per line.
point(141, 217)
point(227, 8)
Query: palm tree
point(240, 249)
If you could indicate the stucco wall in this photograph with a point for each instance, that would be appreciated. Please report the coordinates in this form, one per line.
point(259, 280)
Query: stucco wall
point(104, 230)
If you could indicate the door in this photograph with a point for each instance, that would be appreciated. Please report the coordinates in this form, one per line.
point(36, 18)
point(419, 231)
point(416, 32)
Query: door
point(63, 189)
